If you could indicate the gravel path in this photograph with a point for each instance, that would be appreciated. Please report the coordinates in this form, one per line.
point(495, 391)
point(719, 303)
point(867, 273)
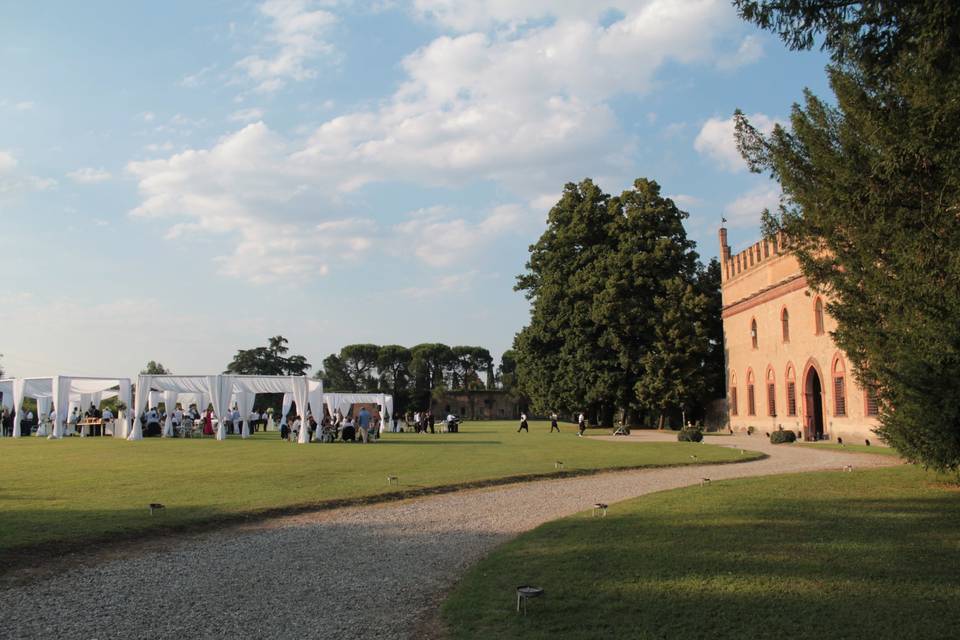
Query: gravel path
point(361, 572)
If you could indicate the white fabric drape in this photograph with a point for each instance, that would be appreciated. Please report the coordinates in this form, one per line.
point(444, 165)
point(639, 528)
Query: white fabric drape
point(170, 403)
point(220, 388)
point(388, 405)
point(122, 416)
point(6, 391)
point(141, 396)
point(43, 415)
point(287, 403)
point(18, 389)
point(244, 406)
point(301, 396)
point(61, 388)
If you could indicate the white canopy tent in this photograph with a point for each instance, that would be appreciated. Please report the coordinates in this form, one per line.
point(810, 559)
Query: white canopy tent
point(62, 391)
point(343, 401)
point(222, 389)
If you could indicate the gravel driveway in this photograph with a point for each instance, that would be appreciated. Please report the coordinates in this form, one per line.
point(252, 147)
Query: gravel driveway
point(360, 572)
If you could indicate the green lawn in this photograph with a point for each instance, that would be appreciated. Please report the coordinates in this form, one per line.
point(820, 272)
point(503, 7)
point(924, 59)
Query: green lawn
point(871, 554)
point(76, 489)
point(851, 448)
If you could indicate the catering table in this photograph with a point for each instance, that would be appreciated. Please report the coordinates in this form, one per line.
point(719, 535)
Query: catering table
point(95, 426)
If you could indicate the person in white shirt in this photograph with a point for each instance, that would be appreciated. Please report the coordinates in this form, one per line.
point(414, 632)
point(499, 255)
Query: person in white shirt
point(153, 422)
point(177, 418)
point(523, 424)
point(235, 417)
point(581, 424)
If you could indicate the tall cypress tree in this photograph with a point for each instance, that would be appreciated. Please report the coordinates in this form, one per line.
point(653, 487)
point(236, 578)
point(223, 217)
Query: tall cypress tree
point(872, 199)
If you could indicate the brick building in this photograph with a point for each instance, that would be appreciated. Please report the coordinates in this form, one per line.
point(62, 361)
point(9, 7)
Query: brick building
point(783, 368)
point(478, 405)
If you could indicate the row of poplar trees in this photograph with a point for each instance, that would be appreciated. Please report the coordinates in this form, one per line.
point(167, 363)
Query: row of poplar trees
point(625, 319)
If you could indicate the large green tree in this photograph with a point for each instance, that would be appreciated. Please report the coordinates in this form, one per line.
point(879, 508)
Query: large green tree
point(393, 363)
point(615, 293)
point(871, 183)
point(271, 360)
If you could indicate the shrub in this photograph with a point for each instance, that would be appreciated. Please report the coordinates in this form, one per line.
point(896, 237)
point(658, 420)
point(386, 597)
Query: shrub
point(690, 435)
point(778, 437)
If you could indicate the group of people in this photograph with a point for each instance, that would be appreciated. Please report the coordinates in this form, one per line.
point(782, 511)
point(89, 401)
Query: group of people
point(554, 423)
point(332, 428)
point(98, 421)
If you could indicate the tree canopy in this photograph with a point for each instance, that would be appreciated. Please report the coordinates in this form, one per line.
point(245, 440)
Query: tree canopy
point(871, 184)
point(618, 308)
point(271, 360)
point(412, 375)
point(154, 368)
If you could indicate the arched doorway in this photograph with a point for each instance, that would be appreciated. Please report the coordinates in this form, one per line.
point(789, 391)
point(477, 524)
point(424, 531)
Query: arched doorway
point(813, 406)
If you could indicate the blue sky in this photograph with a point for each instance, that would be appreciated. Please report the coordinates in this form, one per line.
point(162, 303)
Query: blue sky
point(180, 179)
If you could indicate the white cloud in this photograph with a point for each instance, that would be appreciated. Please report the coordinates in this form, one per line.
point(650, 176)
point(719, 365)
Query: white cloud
point(745, 211)
point(441, 285)
point(684, 200)
point(750, 50)
point(295, 39)
point(196, 79)
point(716, 140)
point(25, 105)
point(159, 146)
point(7, 162)
point(89, 175)
point(13, 181)
point(147, 116)
point(247, 115)
point(525, 108)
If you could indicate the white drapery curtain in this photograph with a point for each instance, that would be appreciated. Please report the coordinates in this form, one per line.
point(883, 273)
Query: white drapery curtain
point(220, 388)
point(43, 415)
point(388, 405)
point(301, 395)
point(170, 403)
point(123, 418)
point(287, 403)
point(18, 389)
point(244, 406)
point(6, 390)
point(343, 401)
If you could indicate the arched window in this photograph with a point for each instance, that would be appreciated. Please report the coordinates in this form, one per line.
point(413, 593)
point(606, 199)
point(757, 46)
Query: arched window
point(733, 394)
point(751, 397)
point(818, 316)
point(771, 392)
point(791, 382)
point(839, 388)
point(753, 332)
point(785, 324)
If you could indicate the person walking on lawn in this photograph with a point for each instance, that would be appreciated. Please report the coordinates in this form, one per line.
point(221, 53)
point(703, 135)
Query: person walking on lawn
point(553, 422)
point(581, 423)
point(523, 424)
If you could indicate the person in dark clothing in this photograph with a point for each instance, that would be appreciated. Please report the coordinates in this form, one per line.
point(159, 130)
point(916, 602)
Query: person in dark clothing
point(431, 421)
point(523, 424)
point(553, 423)
point(582, 424)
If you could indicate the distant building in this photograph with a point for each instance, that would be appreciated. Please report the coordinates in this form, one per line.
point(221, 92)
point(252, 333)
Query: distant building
point(478, 405)
point(783, 368)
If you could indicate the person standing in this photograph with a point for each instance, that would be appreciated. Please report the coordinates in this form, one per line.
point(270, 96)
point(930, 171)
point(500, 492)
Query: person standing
point(581, 424)
point(523, 424)
point(553, 422)
point(363, 421)
point(431, 421)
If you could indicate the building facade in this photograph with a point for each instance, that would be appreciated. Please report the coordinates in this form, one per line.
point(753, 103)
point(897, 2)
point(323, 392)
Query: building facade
point(783, 368)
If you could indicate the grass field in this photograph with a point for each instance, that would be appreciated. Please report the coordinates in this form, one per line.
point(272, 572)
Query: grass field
point(78, 489)
point(872, 554)
point(851, 448)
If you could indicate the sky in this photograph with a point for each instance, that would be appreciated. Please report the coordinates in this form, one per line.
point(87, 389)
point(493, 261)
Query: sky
point(181, 179)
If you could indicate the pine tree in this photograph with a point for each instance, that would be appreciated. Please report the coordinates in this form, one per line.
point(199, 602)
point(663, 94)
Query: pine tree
point(872, 199)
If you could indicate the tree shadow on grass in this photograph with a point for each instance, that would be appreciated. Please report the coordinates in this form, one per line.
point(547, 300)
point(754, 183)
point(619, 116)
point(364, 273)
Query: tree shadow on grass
point(825, 568)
